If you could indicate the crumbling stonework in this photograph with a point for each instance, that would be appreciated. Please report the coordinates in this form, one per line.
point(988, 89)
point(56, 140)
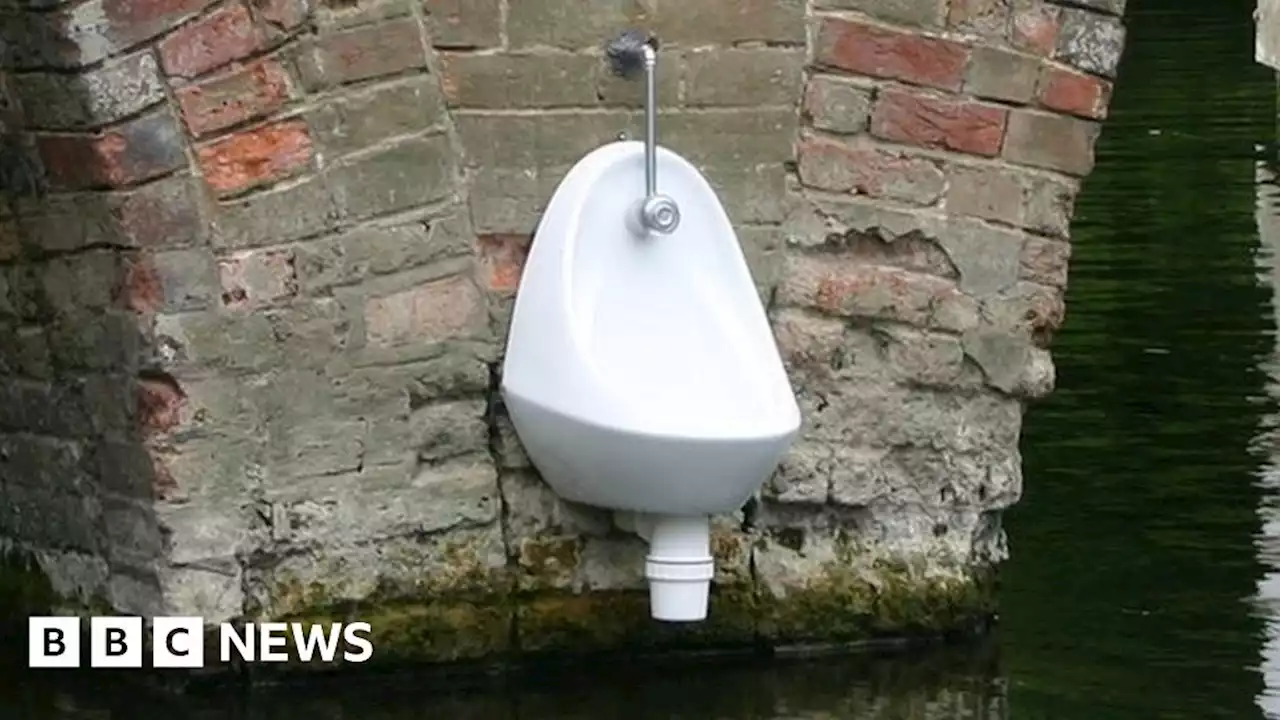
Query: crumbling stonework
point(257, 259)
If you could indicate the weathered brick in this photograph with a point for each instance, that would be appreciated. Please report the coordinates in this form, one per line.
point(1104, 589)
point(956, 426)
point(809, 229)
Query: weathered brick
point(865, 169)
point(623, 92)
point(1090, 41)
point(991, 193)
point(414, 172)
point(138, 150)
point(848, 288)
point(465, 23)
point(1049, 141)
point(89, 32)
point(1002, 75)
point(742, 77)
point(360, 254)
point(987, 19)
point(502, 257)
point(1074, 92)
point(344, 14)
point(932, 122)
point(160, 402)
point(224, 35)
point(437, 311)
point(133, 20)
point(264, 154)
point(170, 281)
point(359, 120)
point(1045, 261)
point(1114, 7)
point(363, 53)
point(703, 23)
point(837, 105)
point(892, 54)
point(927, 13)
point(257, 277)
point(10, 245)
point(568, 24)
point(281, 16)
point(230, 99)
point(117, 89)
point(282, 214)
point(1035, 27)
point(524, 80)
point(164, 213)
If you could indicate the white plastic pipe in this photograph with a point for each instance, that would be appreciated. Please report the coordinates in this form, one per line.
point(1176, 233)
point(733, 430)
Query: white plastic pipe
point(679, 566)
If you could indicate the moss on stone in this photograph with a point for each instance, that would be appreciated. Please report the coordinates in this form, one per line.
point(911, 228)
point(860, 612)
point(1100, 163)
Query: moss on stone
point(619, 620)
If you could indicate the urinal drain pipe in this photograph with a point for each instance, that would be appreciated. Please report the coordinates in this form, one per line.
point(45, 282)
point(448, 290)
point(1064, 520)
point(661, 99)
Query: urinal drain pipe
point(679, 566)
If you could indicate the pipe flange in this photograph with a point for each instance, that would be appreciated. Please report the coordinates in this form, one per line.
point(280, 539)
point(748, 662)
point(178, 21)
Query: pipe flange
point(660, 214)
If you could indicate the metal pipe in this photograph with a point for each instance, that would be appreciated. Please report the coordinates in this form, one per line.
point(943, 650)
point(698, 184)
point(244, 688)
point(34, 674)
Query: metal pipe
point(650, 121)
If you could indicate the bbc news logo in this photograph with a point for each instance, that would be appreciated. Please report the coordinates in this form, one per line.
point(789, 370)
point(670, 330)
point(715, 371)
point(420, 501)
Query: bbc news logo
point(179, 642)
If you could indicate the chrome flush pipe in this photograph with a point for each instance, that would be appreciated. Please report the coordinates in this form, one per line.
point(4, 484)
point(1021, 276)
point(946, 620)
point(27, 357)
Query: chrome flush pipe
point(629, 54)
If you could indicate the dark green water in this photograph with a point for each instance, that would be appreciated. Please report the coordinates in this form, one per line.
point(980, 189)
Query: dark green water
point(1139, 548)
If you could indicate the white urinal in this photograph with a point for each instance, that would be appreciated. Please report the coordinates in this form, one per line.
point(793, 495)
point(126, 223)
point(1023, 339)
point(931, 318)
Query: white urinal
point(641, 373)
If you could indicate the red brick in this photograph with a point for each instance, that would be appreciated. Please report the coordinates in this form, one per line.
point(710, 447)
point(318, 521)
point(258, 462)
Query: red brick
point(893, 54)
point(502, 257)
point(231, 99)
point(141, 149)
point(434, 312)
point(143, 290)
point(240, 161)
point(213, 41)
point(256, 278)
point(1074, 92)
point(1035, 29)
point(960, 125)
point(160, 404)
point(839, 167)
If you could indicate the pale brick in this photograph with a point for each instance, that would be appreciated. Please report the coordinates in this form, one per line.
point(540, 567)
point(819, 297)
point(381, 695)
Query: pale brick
point(436, 311)
point(742, 77)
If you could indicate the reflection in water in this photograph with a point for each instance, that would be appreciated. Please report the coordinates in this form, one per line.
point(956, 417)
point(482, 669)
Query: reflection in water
point(1268, 538)
point(1136, 547)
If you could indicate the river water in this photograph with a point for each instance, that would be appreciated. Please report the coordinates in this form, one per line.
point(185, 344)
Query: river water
point(1145, 578)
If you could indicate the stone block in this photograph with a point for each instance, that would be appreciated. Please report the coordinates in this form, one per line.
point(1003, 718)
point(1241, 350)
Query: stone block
point(1035, 27)
point(848, 288)
point(359, 254)
point(171, 281)
point(1046, 261)
point(1053, 142)
point(303, 334)
point(762, 21)
point(837, 105)
point(568, 24)
point(881, 52)
point(223, 470)
point(748, 78)
point(91, 340)
point(443, 431)
point(1090, 41)
point(866, 169)
point(988, 20)
point(532, 80)
point(411, 173)
point(140, 149)
point(362, 119)
point(281, 16)
point(234, 97)
point(464, 24)
point(999, 74)
point(265, 154)
point(930, 13)
point(282, 214)
point(434, 312)
point(395, 502)
point(225, 35)
point(362, 53)
point(101, 96)
point(957, 125)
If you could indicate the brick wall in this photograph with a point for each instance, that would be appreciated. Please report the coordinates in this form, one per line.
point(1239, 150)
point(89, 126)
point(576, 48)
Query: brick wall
point(257, 259)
